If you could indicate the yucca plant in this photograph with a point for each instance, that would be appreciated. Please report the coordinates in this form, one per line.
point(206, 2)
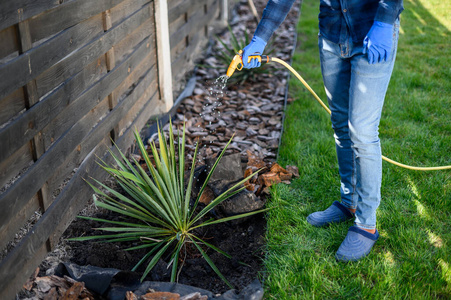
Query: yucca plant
point(158, 202)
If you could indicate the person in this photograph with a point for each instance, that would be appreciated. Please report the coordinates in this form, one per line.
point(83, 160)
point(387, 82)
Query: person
point(357, 45)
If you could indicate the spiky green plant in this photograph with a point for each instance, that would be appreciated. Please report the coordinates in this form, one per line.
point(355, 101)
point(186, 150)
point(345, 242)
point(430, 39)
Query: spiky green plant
point(226, 55)
point(159, 204)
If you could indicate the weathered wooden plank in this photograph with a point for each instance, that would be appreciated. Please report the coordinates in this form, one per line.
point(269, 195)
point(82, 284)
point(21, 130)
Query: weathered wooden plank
point(177, 10)
point(195, 22)
point(15, 165)
point(43, 112)
point(79, 155)
point(15, 11)
point(185, 53)
point(66, 68)
point(177, 50)
point(72, 86)
point(19, 221)
point(135, 110)
point(67, 117)
point(177, 23)
point(30, 182)
point(197, 39)
point(30, 64)
point(186, 61)
point(9, 43)
point(126, 46)
point(29, 265)
point(74, 159)
point(64, 171)
point(11, 105)
point(89, 76)
point(62, 175)
point(145, 65)
point(66, 15)
point(173, 3)
point(125, 9)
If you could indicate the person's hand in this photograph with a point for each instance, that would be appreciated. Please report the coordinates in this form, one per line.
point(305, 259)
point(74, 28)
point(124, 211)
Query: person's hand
point(378, 42)
point(255, 47)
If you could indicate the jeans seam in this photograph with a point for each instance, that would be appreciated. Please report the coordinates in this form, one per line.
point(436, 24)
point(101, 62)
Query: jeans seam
point(353, 181)
point(360, 225)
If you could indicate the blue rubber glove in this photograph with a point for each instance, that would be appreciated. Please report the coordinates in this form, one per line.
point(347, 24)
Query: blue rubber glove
point(255, 47)
point(378, 42)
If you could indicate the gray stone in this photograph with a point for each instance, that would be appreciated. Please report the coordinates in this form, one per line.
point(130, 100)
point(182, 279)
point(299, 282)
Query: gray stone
point(243, 202)
point(228, 169)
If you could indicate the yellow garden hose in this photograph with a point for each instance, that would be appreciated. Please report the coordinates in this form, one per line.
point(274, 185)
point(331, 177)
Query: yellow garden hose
point(275, 59)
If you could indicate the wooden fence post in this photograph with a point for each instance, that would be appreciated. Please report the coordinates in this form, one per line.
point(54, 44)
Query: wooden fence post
point(224, 13)
point(37, 145)
point(110, 64)
point(163, 53)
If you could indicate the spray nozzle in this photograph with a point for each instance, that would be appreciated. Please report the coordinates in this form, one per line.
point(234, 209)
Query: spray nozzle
point(237, 62)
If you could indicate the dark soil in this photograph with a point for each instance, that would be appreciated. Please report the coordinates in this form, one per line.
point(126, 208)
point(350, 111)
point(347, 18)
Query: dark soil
point(244, 241)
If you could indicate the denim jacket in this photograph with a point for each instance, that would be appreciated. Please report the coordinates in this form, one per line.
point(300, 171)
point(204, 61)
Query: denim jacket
point(337, 18)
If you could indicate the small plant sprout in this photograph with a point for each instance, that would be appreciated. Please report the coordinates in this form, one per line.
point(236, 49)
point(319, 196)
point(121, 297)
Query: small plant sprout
point(156, 205)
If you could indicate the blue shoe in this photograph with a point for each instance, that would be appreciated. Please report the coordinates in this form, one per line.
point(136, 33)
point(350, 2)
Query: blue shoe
point(337, 212)
point(356, 245)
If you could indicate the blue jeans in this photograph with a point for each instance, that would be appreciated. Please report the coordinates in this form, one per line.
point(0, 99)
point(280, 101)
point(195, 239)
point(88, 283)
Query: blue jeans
point(356, 90)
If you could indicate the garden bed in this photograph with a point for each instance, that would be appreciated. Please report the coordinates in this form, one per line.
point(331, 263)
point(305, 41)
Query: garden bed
point(253, 111)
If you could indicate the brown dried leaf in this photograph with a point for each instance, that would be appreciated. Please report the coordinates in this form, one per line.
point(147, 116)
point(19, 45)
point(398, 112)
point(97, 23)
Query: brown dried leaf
point(255, 161)
point(130, 296)
point(285, 176)
point(276, 168)
point(29, 284)
point(249, 186)
point(207, 196)
point(74, 291)
point(249, 170)
point(269, 179)
point(293, 170)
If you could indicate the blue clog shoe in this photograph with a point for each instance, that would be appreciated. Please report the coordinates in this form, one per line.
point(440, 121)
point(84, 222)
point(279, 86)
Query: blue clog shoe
point(356, 245)
point(337, 212)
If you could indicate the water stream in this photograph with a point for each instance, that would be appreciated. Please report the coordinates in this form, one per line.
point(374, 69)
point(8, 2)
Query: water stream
point(211, 112)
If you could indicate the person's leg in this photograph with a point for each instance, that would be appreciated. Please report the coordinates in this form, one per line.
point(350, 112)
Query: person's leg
point(336, 72)
point(369, 83)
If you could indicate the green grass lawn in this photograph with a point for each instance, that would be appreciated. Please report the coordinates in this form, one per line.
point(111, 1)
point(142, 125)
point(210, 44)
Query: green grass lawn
point(412, 258)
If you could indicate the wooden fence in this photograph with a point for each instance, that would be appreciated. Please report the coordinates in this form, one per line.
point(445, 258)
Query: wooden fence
point(74, 76)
